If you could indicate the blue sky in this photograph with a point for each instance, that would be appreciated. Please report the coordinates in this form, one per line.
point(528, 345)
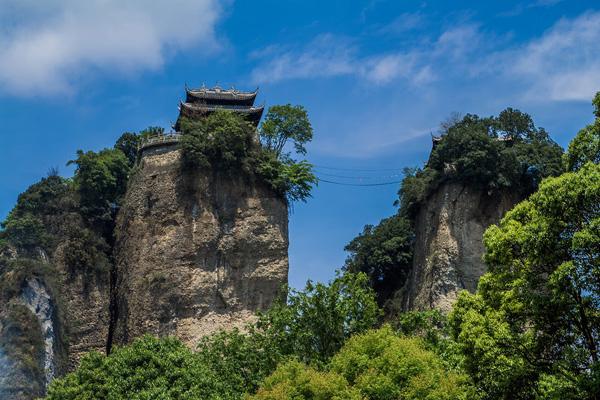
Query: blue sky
point(376, 76)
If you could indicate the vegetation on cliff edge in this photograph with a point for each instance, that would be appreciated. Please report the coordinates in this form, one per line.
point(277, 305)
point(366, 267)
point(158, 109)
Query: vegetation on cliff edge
point(225, 141)
point(507, 152)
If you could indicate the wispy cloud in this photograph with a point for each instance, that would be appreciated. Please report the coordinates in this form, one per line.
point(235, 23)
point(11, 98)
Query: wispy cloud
point(47, 47)
point(522, 7)
point(330, 56)
point(402, 23)
point(465, 68)
point(325, 56)
point(562, 64)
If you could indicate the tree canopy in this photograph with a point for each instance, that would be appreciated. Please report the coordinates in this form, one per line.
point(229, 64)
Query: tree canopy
point(147, 369)
point(285, 123)
point(585, 147)
point(536, 315)
point(376, 365)
point(101, 180)
point(384, 253)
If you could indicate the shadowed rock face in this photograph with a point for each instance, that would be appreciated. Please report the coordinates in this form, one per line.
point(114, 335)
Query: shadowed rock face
point(195, 251)
point(53, 318)
point(448, 244)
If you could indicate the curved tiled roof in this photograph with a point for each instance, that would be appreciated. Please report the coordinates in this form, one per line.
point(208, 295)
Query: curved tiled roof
point(216, 93)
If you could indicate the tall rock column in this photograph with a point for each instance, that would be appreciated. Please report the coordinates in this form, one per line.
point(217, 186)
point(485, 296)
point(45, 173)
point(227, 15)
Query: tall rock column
point(196, 250)
point(448, 250)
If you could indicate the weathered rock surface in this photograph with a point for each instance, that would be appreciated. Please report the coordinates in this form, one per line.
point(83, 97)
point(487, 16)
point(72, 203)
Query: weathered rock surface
point(196, 251)
point(448, 244)
point(51, 317)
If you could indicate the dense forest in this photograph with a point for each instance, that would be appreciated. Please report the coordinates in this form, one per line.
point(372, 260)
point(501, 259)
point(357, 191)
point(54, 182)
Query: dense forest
point(531, 331)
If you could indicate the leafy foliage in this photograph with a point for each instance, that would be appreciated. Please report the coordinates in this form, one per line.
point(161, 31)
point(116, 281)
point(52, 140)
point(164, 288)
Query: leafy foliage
point(129, 142)
point(285, 123)
point(243, 360)
point(225, 141)
point(585, 147)
point(100, 180)
point(221, 140)
point(535, 318)
point(312, 325)
point(376, 365)
point(315, 322)
point(507, 151)
point(294, 380)
point(148, 369)
point(35, 218)
point(384, 254)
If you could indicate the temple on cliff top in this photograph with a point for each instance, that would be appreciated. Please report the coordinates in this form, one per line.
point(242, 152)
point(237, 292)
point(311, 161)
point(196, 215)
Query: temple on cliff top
point(201, 102)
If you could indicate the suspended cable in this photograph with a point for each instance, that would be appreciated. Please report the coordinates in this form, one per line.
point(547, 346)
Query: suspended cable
point(358, 169)
point(359, 184)
point(359, 177)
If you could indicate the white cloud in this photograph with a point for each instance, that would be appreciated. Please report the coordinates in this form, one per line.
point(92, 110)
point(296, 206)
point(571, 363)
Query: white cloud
point(329, 56)
point(46, 47)
point(563, 64)
point(401, 24)
point(325, 56)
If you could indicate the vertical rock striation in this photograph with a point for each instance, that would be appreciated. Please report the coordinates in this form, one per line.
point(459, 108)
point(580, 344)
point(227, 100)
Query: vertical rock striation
point(38, 301)
point(448, 245)
point(196, 250)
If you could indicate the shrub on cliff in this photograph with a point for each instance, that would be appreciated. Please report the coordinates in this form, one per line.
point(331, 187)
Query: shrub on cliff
point(100, 180)
point(225, 141)
point(35, 219)
point(129, 142)
point(507, 151)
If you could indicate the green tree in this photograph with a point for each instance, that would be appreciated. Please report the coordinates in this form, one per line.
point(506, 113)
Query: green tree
point(285, 123)
point(311, 326)
point(375, 365)
point(384, 253)
point(129, 143)
point(147, 369)
point(536, 317)
point(585, 147)
point(494, 153)
point(314, 323)
point(101, 181)
point(36, 218)
point(294, 380)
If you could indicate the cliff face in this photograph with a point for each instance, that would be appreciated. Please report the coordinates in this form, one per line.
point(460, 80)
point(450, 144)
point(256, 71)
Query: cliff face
point(51, 316)
point(196, 251)
point(448, 245)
